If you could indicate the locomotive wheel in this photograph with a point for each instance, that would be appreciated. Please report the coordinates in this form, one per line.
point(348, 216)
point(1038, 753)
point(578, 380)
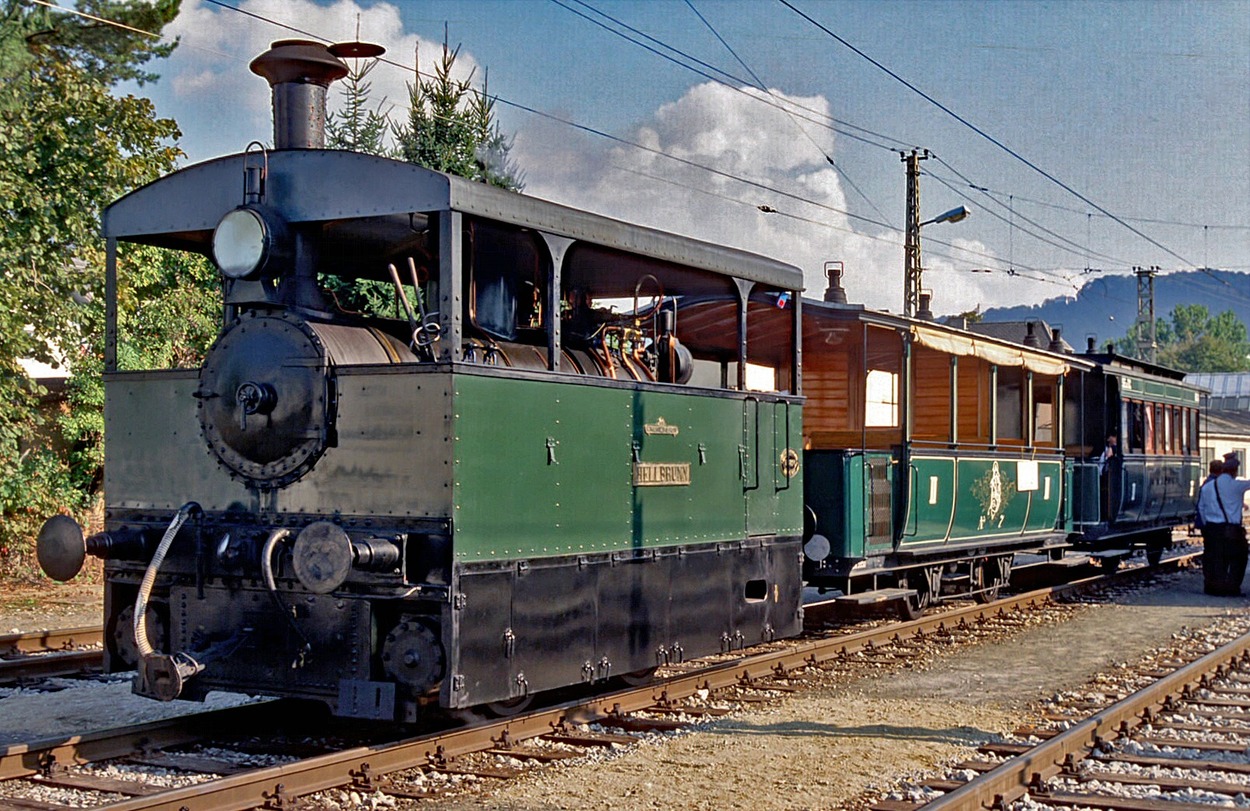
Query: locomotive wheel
point(509, 708)
point(1154, 556)
point(926, 581)
point(639, 677)
point(990, 575)
point(123, 633)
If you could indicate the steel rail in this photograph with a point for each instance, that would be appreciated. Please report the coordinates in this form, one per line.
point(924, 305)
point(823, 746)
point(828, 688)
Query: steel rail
point(36, 666)
point(48, 641)
point(362, 766)
point(38, 757)
point(1010, 781)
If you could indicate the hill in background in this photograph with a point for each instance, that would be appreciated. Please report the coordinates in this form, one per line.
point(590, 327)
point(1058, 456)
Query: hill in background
point(1106, 306)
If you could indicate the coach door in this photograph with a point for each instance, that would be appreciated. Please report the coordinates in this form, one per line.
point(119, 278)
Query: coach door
point(771, 454)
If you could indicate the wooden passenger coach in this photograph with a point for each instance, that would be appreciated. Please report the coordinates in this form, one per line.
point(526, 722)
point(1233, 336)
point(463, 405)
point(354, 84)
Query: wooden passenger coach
point(933, 455)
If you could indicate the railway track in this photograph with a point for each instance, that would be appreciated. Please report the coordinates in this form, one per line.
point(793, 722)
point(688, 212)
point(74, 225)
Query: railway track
point(1170, 745)
point(418, 766)
point(43, 654)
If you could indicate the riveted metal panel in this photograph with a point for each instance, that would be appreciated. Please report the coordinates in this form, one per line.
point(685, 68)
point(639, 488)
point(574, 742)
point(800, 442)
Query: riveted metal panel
point(551, 467)
point(268, 661)
point(554, 614)
point(475, 634)
point(392, 456)
point(633, 616)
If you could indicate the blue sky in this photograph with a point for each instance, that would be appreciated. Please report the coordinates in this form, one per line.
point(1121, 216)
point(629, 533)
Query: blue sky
point(1142, 107)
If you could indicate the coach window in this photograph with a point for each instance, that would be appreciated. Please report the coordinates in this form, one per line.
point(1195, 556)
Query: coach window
point(1043, 412)
point(1136, 426)
point(1009, 396)
point(1148, 429)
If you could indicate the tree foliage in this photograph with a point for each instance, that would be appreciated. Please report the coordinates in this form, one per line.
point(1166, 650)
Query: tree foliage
point(452, 128)
point(1193, 340)
point(69, 145)
point(358, 126)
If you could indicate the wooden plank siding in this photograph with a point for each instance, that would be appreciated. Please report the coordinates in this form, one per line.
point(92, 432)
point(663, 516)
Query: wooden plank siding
point(974, 409)
point(931, 420)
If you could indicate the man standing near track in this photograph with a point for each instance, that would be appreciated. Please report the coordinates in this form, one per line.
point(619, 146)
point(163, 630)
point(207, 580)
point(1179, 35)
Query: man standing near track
point(1221, 502)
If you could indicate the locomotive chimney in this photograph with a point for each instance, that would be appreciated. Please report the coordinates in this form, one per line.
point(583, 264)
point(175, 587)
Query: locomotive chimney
point(299, 71)
point(1030, 336)
point(835, 293)
point(925, 311)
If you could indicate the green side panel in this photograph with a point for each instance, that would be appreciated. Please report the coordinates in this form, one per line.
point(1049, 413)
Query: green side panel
point(833, 490)
point(987, 502)
point(853, 505)
point(958, 499)
point(697, 432)
point(548, 467)
point(1046, 502)
point(1086, 495)
point(1069, 494)
point(931, 500)
point(541, 468)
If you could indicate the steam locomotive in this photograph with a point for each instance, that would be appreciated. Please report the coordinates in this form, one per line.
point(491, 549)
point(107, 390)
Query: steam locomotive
point(568, 449)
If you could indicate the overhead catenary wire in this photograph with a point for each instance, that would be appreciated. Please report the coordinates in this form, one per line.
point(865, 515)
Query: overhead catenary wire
point(736, 83)
point(762, 86)
point(981, 132)
point(598, 133)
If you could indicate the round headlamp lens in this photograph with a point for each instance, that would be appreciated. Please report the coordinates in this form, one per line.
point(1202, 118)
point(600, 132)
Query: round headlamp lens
point(240, 243)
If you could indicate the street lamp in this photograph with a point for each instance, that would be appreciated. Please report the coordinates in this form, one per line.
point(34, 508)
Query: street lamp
point(954, 215)
point(911, 244)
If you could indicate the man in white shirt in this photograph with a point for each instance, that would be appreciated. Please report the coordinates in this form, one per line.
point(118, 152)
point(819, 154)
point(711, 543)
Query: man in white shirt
point(1221, 502)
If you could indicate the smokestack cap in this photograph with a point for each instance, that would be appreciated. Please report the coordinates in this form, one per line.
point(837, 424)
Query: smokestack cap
point(300, 61)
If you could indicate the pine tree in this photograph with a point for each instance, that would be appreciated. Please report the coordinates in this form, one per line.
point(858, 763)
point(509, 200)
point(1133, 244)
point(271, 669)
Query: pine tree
point(357, 126)
point(451, 128)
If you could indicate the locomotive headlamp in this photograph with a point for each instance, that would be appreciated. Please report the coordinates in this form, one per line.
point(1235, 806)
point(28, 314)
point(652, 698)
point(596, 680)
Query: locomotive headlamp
point(245, 241)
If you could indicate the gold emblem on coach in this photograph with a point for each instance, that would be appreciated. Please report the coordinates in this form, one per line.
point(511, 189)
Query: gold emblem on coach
point(660, 428)
point(789, 463)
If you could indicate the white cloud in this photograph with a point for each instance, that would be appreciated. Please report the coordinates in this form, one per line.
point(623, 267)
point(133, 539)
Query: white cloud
point(209, 70)
point(781, 167)
point(739, 136)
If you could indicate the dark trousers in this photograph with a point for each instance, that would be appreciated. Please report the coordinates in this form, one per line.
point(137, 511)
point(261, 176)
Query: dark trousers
point(1223, 558)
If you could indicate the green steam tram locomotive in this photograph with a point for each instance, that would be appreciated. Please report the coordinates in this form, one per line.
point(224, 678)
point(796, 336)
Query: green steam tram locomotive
point(565, 450)
point(524, 481)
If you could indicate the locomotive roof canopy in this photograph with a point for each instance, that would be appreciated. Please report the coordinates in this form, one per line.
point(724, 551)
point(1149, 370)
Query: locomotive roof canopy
point(181, 210)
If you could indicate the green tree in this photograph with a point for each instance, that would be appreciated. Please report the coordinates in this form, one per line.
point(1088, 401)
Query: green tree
point(452, 128)
point(1193, 340)
point(357, 126)
point(68, 146)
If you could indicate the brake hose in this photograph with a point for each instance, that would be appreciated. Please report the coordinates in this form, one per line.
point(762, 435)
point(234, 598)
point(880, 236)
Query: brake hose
point(149, 578)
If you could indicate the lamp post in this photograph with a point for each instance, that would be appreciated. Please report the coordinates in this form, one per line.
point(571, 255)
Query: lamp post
point(911, 244)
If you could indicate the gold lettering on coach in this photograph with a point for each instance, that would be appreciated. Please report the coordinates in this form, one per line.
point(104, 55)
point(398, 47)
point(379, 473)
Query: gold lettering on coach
point(661, 474)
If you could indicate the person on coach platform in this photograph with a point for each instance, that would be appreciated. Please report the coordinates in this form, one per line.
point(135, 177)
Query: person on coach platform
point(1221, 502)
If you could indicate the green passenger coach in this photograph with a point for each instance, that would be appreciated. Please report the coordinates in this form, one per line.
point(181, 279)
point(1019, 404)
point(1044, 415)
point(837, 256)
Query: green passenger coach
point(932, 456)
